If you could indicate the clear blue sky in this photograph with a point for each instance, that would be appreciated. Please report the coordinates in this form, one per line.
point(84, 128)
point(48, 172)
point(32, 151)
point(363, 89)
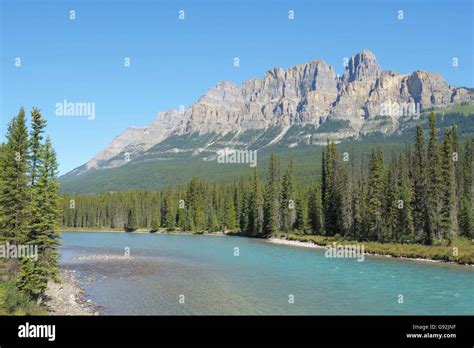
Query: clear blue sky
point(174, 62)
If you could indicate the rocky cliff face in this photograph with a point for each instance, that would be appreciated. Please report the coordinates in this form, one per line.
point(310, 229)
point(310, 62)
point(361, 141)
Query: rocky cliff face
point(307, 93)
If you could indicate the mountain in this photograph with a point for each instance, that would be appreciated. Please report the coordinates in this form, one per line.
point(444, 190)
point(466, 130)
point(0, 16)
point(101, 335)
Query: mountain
point(305, 104)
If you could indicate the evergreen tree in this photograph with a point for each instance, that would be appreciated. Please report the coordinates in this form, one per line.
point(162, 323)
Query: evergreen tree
point(315, 210)
point(132, 219)
point(466, 220)
point(155, 221)
point(181, 218)
point(272, 193)
point(326, 170)
point(213, 223)
point(46, 214)
point(434, 179)
point(301, 214)
point(335, 203)
point(458, 175)
point(36, 137)
point(16, 195)
point(230, 215)
point(168, 209)
point(287, 209)
point(255, 207)
point(421, 216)
point(391, 197)
point(447, 223)
point(403, 231)
point(375, 219)
point(358, 230)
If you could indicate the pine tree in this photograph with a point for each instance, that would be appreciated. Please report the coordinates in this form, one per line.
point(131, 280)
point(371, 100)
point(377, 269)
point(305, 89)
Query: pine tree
point(132, 218)
point(315, 210)
point(255, 207)
point(326, 170)
point(36, 136)
point(375, 219)
point(421, 216)
point(244, 210)
point(433, 180)
point(334, 186)
point(403, 231)
point(168, 209)
point(466, 220)
point(287, 208)
point(155, 221)
point(358, 230)
point(181, 218)
point(272, 193)
point(458, 175)
point(213, 223)
point(230, 219)
point(391, 197)
point(45, 217)
point(15, 196)
point(447, 216)
point(301, 209)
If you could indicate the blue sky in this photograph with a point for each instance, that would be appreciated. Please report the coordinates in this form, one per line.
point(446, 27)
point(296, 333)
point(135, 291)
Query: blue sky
point(173, 61)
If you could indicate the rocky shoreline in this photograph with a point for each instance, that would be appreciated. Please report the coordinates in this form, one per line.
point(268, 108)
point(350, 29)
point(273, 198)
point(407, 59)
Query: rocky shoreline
point(67, 297)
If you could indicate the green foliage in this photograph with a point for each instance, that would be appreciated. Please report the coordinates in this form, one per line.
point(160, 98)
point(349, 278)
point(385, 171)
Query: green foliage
point(375, 197)
point(288, 198)
point(315, 209)
point(30, 205)
point(421, 215)
point(16, 191)
point(448, 189)
point(14, 302)
point(356, 196)
point(272, 197)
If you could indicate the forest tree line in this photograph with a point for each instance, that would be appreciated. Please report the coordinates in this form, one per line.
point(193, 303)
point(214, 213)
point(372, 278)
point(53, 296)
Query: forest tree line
point(422, 195)
point(30, 205)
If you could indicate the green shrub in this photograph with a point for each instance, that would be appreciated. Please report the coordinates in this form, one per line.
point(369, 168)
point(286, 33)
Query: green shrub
point(14, 302)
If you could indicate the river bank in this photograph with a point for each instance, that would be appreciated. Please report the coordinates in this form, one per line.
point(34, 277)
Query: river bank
point(67, 297)
point(460, 251)
point(296, 243)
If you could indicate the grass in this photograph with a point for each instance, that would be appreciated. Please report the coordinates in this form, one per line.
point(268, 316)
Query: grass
point(460, 250)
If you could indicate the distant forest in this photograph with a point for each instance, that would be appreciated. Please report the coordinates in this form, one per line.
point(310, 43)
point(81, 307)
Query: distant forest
point(423, 194)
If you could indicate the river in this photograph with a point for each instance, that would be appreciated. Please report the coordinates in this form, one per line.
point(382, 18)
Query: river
point(205, 275)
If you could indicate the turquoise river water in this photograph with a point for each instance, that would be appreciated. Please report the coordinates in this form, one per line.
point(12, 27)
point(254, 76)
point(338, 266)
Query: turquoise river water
point(187, 274)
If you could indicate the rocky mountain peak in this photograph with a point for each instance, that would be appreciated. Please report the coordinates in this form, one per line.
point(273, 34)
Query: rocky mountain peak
point(362, 66)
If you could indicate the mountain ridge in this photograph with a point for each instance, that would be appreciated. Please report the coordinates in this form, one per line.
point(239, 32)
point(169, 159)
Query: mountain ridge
point(309, 93)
